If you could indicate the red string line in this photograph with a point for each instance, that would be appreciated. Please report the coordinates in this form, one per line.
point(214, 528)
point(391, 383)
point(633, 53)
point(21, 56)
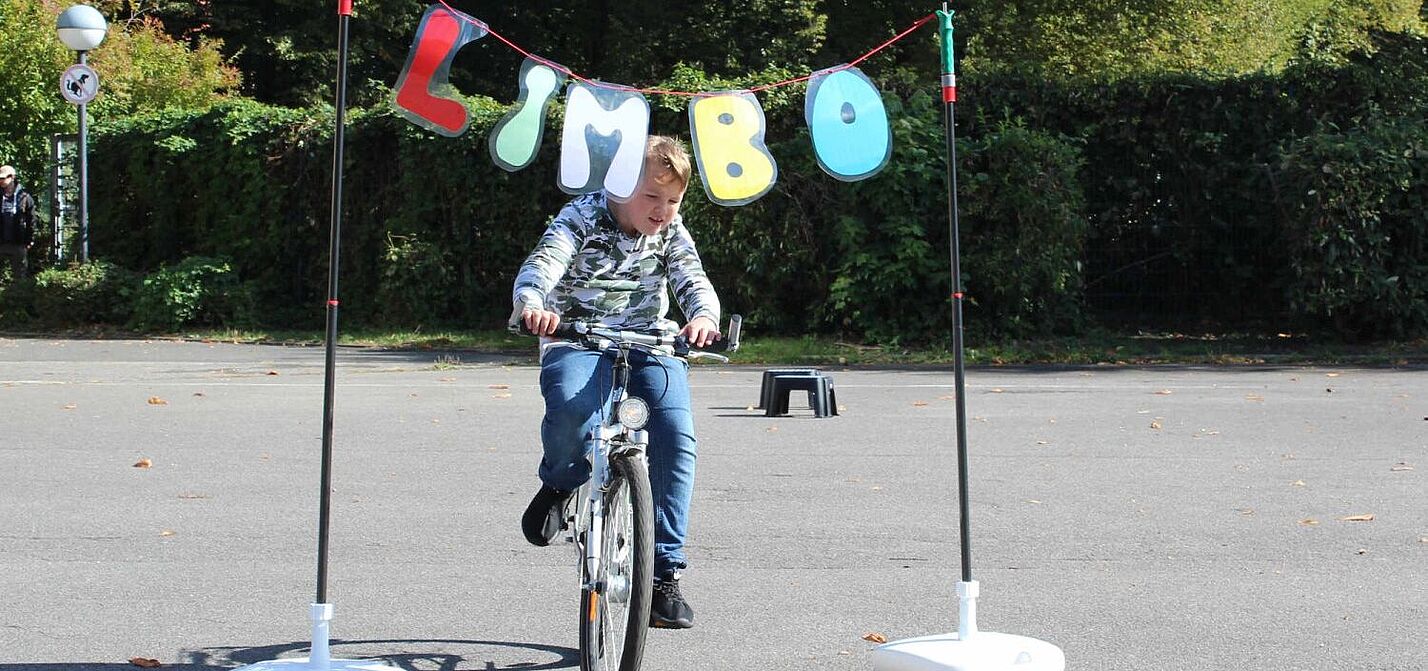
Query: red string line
point(631, 89)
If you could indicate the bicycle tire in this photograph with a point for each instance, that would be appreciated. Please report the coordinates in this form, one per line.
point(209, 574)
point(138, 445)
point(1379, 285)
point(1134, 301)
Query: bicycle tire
point(629, 490)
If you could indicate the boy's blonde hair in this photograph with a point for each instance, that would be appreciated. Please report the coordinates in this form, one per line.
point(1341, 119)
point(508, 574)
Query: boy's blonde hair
point(669, 153)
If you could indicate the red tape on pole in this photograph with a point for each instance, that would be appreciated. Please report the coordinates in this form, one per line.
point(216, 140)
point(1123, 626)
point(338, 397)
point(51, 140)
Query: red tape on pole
point(344, 7)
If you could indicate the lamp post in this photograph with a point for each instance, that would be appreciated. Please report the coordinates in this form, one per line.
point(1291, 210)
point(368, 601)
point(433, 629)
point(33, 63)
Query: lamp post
point(82, 28)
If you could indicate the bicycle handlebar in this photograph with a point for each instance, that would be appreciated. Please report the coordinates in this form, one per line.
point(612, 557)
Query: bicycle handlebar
point(591, 334)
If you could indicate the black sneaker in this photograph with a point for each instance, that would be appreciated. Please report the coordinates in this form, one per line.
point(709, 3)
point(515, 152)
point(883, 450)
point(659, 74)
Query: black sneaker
point(545, 516)
point(669, 610)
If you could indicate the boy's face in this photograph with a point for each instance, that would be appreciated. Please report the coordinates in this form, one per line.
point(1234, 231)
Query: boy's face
point(654, 204)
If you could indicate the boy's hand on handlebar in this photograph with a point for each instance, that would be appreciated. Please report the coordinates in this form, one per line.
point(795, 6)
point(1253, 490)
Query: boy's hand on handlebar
point(540, 322)
point(701, 331)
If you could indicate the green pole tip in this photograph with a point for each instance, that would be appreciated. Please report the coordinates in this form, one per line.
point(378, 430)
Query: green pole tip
point(944, 20)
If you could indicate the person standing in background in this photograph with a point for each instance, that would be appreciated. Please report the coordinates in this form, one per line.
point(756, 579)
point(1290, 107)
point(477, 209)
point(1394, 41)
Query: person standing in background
point(17, 222)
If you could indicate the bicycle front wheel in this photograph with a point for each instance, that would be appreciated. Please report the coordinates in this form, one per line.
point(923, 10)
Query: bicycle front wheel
point(615, 616)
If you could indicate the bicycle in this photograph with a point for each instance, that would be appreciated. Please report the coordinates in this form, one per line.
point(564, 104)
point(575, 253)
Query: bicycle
point(612, 526)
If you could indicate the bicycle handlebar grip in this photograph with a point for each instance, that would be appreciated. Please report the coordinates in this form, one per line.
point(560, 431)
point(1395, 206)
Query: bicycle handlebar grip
point(563, 330)
point(729, 343)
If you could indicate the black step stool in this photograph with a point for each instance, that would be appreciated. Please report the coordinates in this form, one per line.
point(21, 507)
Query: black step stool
point(821, 397)
point(766, 387)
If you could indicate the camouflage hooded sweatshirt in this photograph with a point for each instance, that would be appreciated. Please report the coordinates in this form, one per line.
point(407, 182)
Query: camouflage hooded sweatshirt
point(586, 268)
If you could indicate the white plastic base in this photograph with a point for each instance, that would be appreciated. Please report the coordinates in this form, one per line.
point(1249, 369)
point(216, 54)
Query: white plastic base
point(982, 651)
point(320, 659)
point(968, 649)
point(305, 664)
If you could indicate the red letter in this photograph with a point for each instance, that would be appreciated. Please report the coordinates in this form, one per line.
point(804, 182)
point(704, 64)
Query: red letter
point(424, 96)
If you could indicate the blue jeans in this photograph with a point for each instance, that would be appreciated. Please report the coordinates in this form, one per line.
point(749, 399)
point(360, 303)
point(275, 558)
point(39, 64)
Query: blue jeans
point(576, 384)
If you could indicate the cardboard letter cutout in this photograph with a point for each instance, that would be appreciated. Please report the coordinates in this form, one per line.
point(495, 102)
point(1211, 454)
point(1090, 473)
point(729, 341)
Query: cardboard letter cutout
point(603, 142)
point(845, 115)
point(516, 138)
point(423, 95)
point(728, 132)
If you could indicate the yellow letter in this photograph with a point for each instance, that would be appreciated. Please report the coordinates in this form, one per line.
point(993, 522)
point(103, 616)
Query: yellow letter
point(728, 133)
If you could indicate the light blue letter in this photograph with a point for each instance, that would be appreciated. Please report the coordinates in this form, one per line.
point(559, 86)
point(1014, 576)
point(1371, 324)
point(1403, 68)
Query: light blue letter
point(845, 115)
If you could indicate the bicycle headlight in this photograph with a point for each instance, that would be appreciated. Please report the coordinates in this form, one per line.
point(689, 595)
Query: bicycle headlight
point(634, 413)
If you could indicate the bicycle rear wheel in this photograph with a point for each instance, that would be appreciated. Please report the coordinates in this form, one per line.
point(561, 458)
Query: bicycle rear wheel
point(615, 618)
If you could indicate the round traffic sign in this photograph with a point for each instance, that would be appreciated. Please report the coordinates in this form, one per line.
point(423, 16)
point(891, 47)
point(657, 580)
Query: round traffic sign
point(79, 84)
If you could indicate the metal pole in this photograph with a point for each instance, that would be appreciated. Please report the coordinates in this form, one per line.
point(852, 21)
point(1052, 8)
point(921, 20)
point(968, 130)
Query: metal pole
point(344, 11)
point(83, 176)
point(949, 96)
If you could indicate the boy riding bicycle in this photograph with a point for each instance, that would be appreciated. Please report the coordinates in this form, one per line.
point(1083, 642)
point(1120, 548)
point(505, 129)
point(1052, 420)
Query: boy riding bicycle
point(613, 264)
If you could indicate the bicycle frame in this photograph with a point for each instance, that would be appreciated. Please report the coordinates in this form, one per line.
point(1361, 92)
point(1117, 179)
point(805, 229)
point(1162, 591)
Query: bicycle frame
point(611, 439)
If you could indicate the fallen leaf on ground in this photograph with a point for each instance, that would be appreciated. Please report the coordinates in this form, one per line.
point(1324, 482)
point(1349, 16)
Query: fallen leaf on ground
point(1033, 501)
point(1328, 390)
point(750, 408)
point(271, 372)
point(919, 404)
point(198, 393)
point(191, 495)
point(155, 400)
point(1155, 424)
point(143, 463)
point(1400, 466)
point(145, 662)
point(997, 390)
point(1309, 522)
point(1164, 392)
point(446, 379)
point(875, 637)
point(500, 395)
point(1363, 551)
point(1253, 397)
point(166, 533)
point(1297, 483)
point(1357, 518)
point(69, 406)
point(498, 386)
point(951, 397)
point(771, 429)
point(1331, 374)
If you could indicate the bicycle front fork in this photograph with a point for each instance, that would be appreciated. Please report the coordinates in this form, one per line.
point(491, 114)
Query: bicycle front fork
point(614, 442)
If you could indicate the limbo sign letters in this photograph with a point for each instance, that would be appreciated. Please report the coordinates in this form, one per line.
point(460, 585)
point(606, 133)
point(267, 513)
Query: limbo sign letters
point(603, 137)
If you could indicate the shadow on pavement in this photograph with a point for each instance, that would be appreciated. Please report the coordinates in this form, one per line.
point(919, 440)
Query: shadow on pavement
point(404, 654)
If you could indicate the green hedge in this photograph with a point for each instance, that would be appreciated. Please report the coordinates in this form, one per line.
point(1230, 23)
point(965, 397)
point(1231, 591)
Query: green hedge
point(98, 292)
point(434, 231)
point(1157, 198)
point(1358, 234)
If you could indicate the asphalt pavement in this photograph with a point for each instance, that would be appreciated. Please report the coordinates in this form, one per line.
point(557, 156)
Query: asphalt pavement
point(159, 500)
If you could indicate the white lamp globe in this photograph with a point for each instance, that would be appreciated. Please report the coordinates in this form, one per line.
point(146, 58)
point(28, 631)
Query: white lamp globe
point(81, 28)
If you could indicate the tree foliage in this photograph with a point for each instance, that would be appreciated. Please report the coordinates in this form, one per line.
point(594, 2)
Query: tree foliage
point(291, 60)
point(140, 68)
point(1119, 38)
point(287, 48)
